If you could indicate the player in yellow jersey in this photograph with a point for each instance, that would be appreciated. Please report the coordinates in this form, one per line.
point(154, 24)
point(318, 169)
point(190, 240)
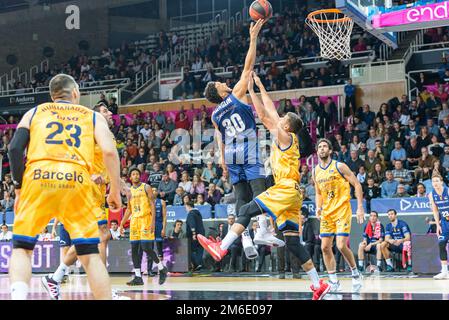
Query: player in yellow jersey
point(100, 179)
point(141, 208)
point(333, 194)
point(61, 137)
point(282, 201)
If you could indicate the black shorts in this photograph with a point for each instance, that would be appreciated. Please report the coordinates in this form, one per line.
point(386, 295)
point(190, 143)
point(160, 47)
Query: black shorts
point(373, 250)
point(395, 248)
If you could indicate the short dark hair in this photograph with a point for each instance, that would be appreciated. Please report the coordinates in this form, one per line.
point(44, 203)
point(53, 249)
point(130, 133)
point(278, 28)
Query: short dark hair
point(98, 106)
point(178, 221)
point(61, 86)
point(114, 221)
point(295, 123)
point(329, 144)
point(394, 211)
point(375, 212)
point(134, 169)
point(211, 93)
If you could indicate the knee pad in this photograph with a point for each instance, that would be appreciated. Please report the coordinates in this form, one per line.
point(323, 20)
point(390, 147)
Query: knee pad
point(443, 251)
point(296, 248)
point(85, 249)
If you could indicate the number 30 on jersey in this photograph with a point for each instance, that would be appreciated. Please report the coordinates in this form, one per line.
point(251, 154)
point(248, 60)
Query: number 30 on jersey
point(234, 125)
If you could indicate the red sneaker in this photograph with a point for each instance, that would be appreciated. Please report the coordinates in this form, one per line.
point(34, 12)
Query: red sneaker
point(318, 294)
point(212, 247)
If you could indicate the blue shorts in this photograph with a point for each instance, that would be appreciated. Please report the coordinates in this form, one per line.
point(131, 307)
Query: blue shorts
point(373, 250)
point(64, 237)
point(396, 248)
point(444, 237)
point(246, 172)
point(157, 232)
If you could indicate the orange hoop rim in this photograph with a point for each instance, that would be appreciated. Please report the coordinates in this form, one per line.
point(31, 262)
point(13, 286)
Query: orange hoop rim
point(311, 16)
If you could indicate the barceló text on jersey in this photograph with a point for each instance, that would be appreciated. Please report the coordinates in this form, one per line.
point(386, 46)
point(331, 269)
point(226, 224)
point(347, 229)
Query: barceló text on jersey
point(74, 176)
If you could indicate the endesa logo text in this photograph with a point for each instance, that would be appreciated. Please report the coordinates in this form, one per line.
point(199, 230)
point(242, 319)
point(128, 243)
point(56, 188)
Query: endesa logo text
point(430, 12)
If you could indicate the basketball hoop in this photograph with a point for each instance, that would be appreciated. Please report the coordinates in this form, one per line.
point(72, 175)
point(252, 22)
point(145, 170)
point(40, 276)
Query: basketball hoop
point(334, 29)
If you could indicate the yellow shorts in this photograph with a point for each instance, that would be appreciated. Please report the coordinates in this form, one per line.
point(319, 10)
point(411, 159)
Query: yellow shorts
point(56, 190)
point(99, 192)
point(336, 223)
point(140, 229)
point(283, 203)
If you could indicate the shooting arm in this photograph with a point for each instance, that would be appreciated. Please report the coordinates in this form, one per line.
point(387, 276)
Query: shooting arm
point(220, 144)
point(352, 179)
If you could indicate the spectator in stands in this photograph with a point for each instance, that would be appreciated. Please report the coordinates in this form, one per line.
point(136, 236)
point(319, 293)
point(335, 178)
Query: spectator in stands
point(367, 116)
point(354, 163)
point(5, 235)
point(155, 176)
point(361, 127)
point(309, 115)
point(145, 131)
point(224, 184)
point(402, 175)
point(389, 186)
point(371, 141)
point(432, 127)
point(183, 122)
point(373, 236)
point(167, 189)
point(398, 153)
point(350, 103)
point(420, 191)
point(371, 161)
point(115, 232)
point(344, 154)
point(397, 133)
point(209, 174)
point(141, 157)
point(179, 195)
point(435, 148)
point(7, 203)
point(160, 118)
point(200, 201)
point(185, 183)
point(433, 102)
point(169, 126)
point(197, 186)
point(7, 184)
point(194, 226)
point(371, 191)
point(355, 144)
point(361, 175)
point(378, 174)
point(112, 105)
point(412, 130)
point(177, 232)
point(363, 152)
point(444, 158)
point(213, 195)
point(131, 148)
point(425, 165)
point(360, 46)
point(310, 236)
point(413, 153)
point(305, 196)
point(397, 233)
point(401, 193)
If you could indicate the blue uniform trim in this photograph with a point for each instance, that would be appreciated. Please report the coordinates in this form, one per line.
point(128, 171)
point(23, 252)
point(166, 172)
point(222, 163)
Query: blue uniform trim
point(327, 234)
point(145, 241)
point(342, 234)
point(95, 119)
point(326, 166)
point(283, 150)
point(288, 222)
point(265, 208)
point(17, 237)
point(336, 166)
point(102, 222)
point(32, 116)
point(86, 241)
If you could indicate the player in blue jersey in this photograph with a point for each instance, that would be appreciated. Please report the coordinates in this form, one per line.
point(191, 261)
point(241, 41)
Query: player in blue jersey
point(439, 201)
point(397, 233)
point(236, 134)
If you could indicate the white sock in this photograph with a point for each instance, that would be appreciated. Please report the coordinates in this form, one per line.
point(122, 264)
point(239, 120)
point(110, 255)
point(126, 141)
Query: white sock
point(67, 272)
point(389, 262)
point(379, 263)
point(333, 277)
point(60, 272)
point(228, 240)
point(355, 271)
point(361, 263)
point(263, 223)
point(313, 275)
point(160, 265)
point(444, 268)
point(19, 291)
point(137, 272)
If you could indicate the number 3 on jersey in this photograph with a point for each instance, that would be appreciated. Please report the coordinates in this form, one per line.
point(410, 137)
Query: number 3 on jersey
point(234, 125)
point(58, 128)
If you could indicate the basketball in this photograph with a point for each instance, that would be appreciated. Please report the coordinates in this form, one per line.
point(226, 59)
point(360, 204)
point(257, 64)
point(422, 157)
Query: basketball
point(260, 9)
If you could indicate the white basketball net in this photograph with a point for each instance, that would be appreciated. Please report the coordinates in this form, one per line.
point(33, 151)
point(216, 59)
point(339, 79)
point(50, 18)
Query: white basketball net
point(334, 32)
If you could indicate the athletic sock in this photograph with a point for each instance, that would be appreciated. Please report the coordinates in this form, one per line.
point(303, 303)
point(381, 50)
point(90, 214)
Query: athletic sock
point(60, 272)
point(389, 262)
point(160, 265)
point(444, 268)
point(263, 223)
point(361, 263)
point(379, 263)
point(67, 272)
point(137, 273)
point(333, 277)
point(19, 291)
point(355, 272)
point(228, 240)
point(314, 277)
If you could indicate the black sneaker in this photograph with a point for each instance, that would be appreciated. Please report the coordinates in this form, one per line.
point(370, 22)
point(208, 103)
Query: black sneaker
point(163, 275)
point(152, 274)
point(136, 281)
point(52, 288)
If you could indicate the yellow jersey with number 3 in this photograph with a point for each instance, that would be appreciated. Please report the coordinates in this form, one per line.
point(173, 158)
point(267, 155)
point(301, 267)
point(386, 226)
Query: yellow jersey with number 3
point(285, 163)
point(139, 202)
point(62, 132)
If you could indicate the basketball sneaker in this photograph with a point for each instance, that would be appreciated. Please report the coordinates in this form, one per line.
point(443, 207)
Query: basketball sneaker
point(390, 268)
point(441, 276)
point(212, 247)
point(320, 292)
point(248, 246)
point(268, 239)
point(136, 281)
point(116, 296)
point(52, 288)
point(357, 283)
point(335, 287)
point(163, 275)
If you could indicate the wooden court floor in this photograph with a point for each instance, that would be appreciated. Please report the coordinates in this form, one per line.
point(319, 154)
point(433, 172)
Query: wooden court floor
point(246, 287)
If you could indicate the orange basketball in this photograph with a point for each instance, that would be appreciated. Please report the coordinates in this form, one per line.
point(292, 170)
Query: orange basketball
point(260, 9)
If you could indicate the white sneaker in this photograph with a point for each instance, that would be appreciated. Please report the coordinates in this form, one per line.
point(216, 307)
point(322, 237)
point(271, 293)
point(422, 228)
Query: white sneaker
point(442, 276)
point(335, 287)
point(357, 283)
point(248, 246)
point(268, 239)
point(116, 296)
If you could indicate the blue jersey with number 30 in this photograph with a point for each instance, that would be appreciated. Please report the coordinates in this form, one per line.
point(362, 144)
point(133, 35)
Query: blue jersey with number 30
point(442, 203)
point(237, 126)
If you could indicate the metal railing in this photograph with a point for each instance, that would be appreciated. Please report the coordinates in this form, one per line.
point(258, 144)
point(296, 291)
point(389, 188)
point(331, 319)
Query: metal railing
point(410, 80)
point(379, 71)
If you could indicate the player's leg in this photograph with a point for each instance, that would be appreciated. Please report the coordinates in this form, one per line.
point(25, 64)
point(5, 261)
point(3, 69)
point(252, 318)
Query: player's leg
point(442, 243)
point(148, 249)
point(384, 247)
point(136, 257)
point(379, 256)
point(105, 236)
point(328, 230)
point(68, 260)
point(361, 255)
point(20, 272)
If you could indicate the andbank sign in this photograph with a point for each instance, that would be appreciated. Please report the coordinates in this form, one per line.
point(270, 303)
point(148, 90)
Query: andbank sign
point(403, 205)
point(419, 14)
